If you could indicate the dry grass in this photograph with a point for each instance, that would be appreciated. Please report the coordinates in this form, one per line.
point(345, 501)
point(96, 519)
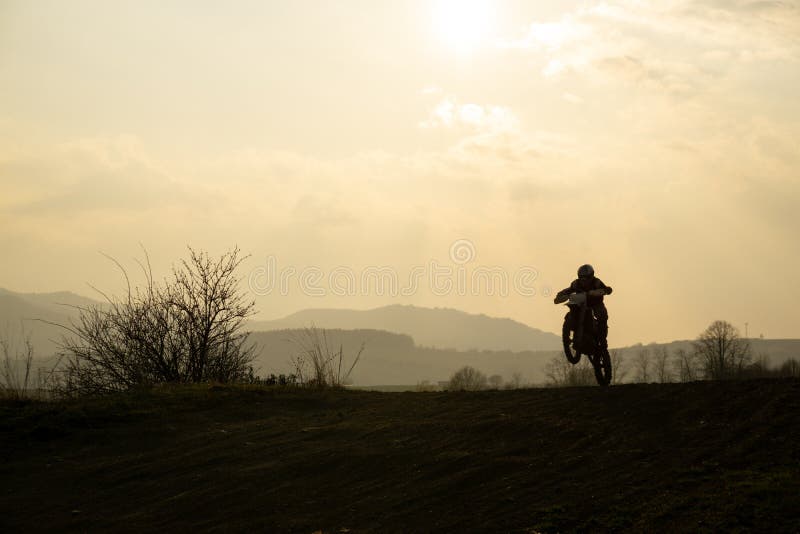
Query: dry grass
point(316, 364)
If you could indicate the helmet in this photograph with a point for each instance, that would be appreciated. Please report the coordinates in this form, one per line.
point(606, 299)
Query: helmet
point(585, 271)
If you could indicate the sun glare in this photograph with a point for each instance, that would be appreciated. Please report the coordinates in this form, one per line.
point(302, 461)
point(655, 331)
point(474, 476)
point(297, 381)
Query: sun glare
point(463, 25)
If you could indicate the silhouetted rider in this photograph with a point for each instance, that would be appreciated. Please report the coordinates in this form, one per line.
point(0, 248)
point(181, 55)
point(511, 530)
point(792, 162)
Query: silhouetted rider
point(595, 289)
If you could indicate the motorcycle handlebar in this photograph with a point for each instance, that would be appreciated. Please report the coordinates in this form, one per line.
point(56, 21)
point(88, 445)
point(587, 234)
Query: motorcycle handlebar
point(592, 293)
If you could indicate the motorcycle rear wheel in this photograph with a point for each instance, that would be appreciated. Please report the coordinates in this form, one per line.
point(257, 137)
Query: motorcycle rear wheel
point(572, 357)
point(602, 366)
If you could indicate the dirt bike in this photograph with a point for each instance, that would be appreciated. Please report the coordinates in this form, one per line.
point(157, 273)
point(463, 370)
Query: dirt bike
point(581, 322)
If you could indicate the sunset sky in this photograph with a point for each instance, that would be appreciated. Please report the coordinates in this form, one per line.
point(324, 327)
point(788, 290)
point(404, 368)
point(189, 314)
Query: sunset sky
point(658, 141)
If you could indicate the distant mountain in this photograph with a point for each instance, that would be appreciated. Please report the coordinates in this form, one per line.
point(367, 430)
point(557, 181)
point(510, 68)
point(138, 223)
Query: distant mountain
point(443, 328)
point(394, 359)
point(35, 312)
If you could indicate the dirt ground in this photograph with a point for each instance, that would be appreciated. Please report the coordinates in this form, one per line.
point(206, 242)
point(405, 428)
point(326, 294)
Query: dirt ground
point(694, 457)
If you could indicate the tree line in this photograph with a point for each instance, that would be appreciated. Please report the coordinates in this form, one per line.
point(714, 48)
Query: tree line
point(718, 353)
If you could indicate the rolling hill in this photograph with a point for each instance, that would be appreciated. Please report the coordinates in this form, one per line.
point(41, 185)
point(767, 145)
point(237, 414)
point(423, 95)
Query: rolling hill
point(35, 312)
point(443, 328)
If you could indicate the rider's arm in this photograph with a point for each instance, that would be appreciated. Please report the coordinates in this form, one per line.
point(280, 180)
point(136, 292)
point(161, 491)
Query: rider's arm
point(600, 289)
point(562, 295)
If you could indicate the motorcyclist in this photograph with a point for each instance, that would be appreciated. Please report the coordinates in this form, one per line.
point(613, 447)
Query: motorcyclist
point(595, 289)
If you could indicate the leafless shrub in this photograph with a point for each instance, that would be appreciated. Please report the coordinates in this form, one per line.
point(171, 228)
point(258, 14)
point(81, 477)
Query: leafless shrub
point(316, 364)
point(467, 379)
point(186, 329)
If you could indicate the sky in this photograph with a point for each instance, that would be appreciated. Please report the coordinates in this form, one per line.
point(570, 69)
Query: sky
point(464, 154)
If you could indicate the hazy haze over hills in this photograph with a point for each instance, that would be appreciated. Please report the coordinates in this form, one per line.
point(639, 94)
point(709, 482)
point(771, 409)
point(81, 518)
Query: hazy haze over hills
point(394, 359)
point(404, 345)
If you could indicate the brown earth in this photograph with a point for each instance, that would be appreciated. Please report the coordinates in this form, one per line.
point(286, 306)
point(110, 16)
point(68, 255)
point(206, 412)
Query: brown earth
point(679, 457)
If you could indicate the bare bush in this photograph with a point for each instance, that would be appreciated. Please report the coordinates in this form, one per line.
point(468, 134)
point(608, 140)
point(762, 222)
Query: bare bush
point(317, 365)
point(467, 379)
point(186, 329)
point(272, 379)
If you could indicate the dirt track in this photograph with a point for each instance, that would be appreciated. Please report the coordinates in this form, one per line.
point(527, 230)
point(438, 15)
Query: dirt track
point(701, 456)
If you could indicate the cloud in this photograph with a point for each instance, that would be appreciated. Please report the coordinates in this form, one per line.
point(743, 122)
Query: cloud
point(554, 36)
point(522, 196)
point(449, 113)
point(678, 45)
point(87, 175)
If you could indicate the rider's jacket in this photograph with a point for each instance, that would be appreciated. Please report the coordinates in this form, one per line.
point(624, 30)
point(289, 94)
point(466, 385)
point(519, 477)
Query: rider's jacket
point(580, 285)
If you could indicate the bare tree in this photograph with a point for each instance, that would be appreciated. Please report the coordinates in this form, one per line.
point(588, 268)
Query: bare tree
point(467, 379)
point(685, 363)
point(620, 363)
point(641, 364)
point(661, 365)
point(186, 329)
point(722, 353)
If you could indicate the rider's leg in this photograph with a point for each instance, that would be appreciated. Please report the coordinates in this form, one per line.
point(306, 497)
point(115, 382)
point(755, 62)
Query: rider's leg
point(601, 313)
point(565, 330)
